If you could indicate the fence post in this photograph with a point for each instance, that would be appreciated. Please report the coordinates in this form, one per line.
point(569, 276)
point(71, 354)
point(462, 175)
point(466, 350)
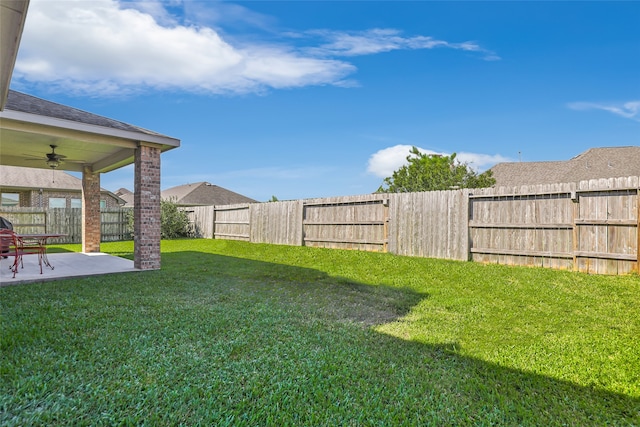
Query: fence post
point(469, 219)
point(302, 222)
point(213, 220)
point(575, 198)
point(385, 227)
point(638, 228)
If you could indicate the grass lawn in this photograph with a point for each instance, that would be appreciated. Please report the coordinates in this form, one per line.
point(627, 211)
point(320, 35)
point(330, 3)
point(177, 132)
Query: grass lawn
point(231, 333)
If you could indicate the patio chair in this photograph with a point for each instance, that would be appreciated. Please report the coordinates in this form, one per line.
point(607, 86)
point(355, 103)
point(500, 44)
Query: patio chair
point(11, 245)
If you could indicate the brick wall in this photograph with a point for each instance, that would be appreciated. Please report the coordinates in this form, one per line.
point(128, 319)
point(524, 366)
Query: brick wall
point(146, 210)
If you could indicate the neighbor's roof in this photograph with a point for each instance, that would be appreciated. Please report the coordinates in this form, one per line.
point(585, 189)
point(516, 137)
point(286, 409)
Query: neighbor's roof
point(203, 194)
point(595, 163)
point(126, 195)
point(17, 177)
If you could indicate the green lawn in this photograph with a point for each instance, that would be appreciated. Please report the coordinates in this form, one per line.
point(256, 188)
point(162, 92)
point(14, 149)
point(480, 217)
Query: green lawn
point(231, 333)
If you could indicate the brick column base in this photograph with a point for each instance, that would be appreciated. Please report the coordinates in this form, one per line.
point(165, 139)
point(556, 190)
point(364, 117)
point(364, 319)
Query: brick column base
point(90, 211)
point(146, 211)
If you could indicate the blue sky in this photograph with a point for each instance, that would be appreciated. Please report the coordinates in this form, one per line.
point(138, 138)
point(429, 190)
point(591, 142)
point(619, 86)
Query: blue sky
point(300, 99)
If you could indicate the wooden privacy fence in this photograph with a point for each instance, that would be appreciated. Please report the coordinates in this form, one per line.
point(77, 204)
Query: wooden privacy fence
point(114, 222)
point(405, 224)
point(591, 226)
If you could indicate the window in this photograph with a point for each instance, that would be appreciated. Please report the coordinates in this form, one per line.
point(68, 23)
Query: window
point(57, 202)
point(76, 203)
point(10, 199)
point(103, 204)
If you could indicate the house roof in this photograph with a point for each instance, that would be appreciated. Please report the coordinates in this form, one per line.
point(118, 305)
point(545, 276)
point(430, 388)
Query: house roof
point(29, 126)
point(17, 101)
point(595, 163)
point(125, 195)
point(203, 194)
point(15, 177)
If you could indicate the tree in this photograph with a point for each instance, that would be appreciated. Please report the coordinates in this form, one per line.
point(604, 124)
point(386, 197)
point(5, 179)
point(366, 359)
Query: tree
point(429, 172)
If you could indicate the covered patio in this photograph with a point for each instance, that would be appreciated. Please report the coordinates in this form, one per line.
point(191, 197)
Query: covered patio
point(36, 133)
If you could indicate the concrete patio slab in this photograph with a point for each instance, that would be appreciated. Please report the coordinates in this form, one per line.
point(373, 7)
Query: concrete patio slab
point(66, 266)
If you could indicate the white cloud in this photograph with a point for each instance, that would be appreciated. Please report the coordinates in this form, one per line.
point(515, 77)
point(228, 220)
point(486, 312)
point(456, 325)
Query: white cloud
point(377, 40)
point(108, 47)
point(480, 162)
point(628, 110)
point(384, 162)
point(86, 45)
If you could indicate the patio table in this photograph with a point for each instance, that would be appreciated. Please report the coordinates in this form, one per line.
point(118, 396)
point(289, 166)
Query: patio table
point(38, 244)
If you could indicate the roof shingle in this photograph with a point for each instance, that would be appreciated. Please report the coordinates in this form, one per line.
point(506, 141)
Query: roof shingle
point(595, 163)
point(203, 194)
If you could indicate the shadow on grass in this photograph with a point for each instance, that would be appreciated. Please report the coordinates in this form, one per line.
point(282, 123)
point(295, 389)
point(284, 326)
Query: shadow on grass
point(225, 340)
point(527, 396)
point(341, 298)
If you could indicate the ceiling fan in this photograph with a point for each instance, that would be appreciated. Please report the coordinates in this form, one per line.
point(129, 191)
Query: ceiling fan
point(53, 159)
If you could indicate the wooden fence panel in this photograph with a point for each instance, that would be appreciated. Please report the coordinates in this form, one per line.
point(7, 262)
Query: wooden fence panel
point(64, 221)
point(278, 223)
point(28, 220)
point(355, 222)
point(590, 227)
point(429, 224)
point(114, 223)
point(201, 220)
point(607, 226)
point(523, 226)
point(232, 222)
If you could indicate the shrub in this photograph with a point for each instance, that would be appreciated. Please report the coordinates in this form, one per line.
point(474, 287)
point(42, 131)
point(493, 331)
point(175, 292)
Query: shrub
point(174, 222)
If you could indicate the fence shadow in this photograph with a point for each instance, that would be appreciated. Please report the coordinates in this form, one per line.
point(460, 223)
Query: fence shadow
point(342, 298)
point(530, 398)
point(417, 383)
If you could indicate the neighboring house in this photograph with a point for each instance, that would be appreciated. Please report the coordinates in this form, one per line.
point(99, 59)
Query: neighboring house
point(125, 195)
point(203, 194)
point(28, 187)
point(595, 163)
